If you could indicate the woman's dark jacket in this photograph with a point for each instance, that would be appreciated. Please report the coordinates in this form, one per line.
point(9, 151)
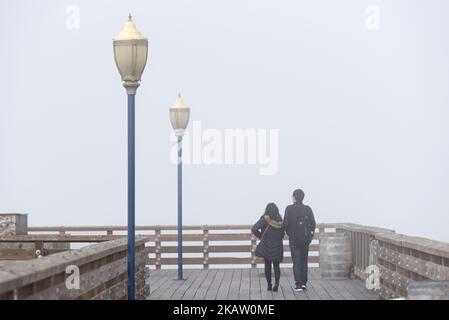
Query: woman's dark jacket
point(270, 246)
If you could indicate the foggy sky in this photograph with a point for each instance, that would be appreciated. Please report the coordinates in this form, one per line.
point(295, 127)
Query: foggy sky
point(362, 114)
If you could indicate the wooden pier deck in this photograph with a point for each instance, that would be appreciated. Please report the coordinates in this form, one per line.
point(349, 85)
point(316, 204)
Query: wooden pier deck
point(250, 284)
point(395, 261)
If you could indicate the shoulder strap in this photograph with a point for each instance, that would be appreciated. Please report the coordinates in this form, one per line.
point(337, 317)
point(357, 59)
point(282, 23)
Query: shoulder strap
point(265, 231)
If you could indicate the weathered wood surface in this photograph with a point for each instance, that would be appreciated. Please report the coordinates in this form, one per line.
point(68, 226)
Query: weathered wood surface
point(210, 239)
point(250, 284)
point(437, 248)
point(25, 254)
point(217, 248)
point(60, 238)
point(428, 290)
point(103, 273)
point(335, 258)
point(221, 260)
point(400, 259)
point(61, 229)
point(218, 239)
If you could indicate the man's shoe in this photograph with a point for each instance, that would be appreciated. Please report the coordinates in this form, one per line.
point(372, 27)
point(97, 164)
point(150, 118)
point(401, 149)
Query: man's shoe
point(299, 289)
point(276, 287)
point(269, 287)
point(304, 287)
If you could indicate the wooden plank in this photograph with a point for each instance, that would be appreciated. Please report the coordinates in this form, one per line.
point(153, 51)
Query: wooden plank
point(320, 291)
point(152, 227)
point(20, 254)
point(157, 289)
point(341, 289)
point(254, 285)
point(244, 285)
point(220, 237)
point(217, 248)
point(317, 290)
point(368, 294)
point(191, 291)
point(249, 283)
point(204, 287)
point(174, 286)
point(158, 277)
point(298, 294)
point(190, 278)
point(357, 289)
point(60, 238)
point(352, 227)
point(221, 260)
point(265, 294)
point(225, 285)
point(234, 288)
point(279, 295)
point(212, 291)
point(330, 289)
point(311, 292)
point(348, 285)
point(287, 289)
point(212, 237)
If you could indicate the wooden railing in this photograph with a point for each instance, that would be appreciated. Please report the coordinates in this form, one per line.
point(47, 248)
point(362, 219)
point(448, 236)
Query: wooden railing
point(24, 247)
point(214, 244)
point(399, 258)
point(102, 274)
point(363, 249)
point(203, 245)
point(403, 259)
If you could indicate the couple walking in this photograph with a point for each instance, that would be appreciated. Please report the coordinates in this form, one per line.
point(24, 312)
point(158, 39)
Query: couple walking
point(299, 224)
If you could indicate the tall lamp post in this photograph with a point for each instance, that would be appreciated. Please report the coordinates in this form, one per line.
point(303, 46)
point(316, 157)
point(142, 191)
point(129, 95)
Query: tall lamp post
point(179, 118)
point(130, 54)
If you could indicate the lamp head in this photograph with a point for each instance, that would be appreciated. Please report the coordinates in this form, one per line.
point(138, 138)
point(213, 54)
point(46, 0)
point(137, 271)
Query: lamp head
point(179, 116)
point(130, 54)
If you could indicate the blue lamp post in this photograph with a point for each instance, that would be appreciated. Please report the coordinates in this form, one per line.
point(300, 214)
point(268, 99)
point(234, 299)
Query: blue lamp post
point(179, 118)
point(130, 54)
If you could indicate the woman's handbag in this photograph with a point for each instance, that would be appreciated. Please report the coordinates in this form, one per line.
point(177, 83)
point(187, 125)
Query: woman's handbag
point(259, 245)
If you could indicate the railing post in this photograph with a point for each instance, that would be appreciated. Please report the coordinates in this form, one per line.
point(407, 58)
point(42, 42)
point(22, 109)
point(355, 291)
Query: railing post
point(157, 249)
point(320, 235)
point(373, 250)
point(253, 251)
point(205, 248)
point(39, 245)
point(321, 232)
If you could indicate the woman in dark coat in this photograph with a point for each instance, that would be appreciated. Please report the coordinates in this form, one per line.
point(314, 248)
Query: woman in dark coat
point(270, 230)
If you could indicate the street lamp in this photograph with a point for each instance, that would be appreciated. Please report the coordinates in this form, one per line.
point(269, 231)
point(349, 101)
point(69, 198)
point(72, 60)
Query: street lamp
point(179, 118)
point(130, 54)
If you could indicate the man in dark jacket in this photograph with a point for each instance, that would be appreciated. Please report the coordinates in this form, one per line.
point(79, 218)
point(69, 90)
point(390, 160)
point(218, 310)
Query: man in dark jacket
point(300, 227)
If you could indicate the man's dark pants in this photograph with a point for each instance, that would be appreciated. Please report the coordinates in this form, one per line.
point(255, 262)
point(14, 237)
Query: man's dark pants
point(300, 254)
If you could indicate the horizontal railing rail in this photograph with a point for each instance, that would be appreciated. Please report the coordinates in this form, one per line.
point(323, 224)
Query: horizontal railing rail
point(25, 247)
point(112, 229)
point(203, 245)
